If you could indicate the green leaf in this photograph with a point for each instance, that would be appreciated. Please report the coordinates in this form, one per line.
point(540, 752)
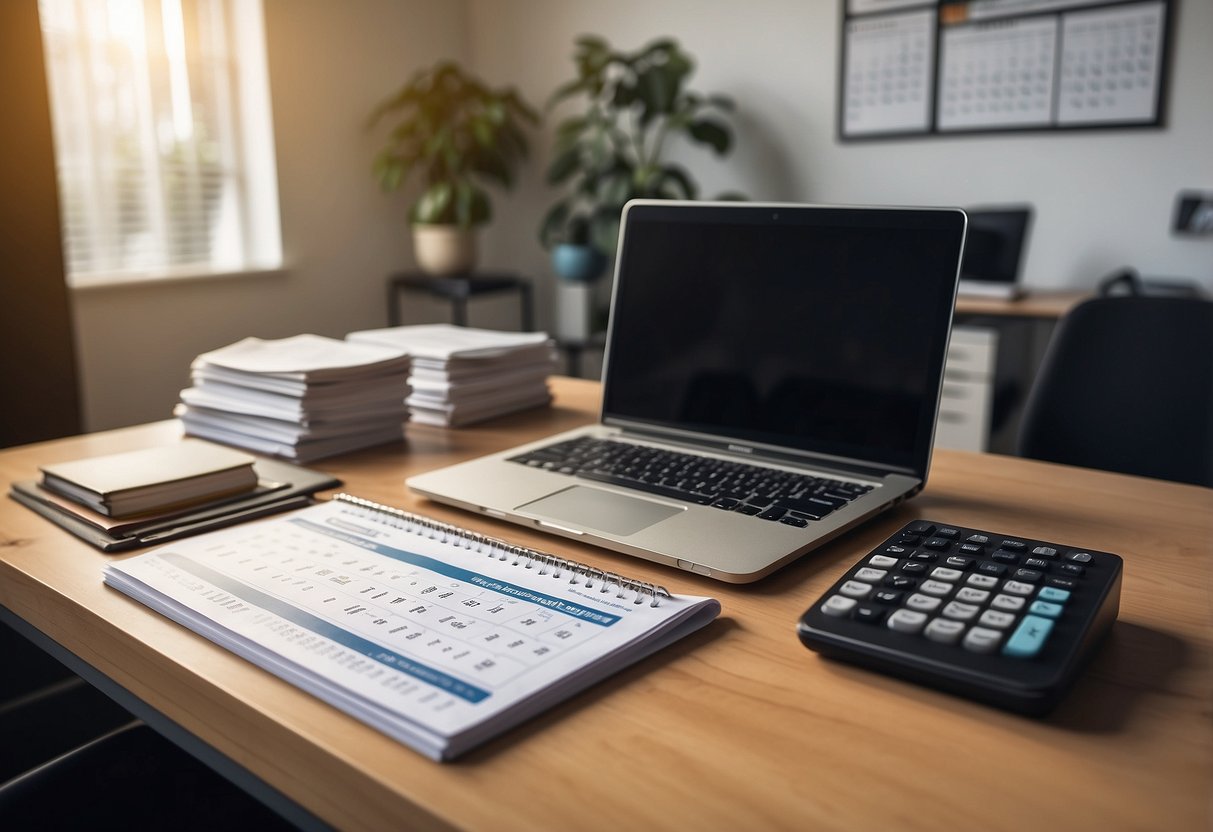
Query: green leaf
point(492, 164)
point(564, 165)
point(673, 175)
point(709, 132)
point(552, 222)
point(604, 230)
point(435, 204)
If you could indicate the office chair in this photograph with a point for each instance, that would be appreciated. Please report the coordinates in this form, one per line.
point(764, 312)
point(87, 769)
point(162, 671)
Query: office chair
point(1127, 386)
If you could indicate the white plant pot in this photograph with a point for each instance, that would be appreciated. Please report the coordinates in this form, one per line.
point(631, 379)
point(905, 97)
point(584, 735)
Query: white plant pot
point(444, 249)
point(574, 305)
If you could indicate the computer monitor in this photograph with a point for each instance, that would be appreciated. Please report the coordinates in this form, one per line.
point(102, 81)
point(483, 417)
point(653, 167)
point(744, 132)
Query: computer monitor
point(997, 238)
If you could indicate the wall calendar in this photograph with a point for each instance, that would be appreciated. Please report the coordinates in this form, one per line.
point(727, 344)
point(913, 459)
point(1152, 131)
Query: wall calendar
point(917, 67)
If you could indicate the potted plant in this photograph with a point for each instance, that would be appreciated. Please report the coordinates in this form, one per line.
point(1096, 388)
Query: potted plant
point(458, 135)
point(615, 148)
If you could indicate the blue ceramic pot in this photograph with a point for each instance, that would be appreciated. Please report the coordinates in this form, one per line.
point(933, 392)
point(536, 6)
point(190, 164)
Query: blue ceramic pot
point(579, 264)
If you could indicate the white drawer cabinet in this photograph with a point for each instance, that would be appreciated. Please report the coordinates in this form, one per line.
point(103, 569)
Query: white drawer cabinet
point(968, 389)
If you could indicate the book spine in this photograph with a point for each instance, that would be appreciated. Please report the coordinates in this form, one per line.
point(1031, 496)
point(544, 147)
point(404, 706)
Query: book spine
point(548, 564)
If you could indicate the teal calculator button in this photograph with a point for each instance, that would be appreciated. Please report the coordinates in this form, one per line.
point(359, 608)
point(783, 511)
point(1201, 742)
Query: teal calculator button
point(1046, 609)
point(1027, 640)
point(1052, 593)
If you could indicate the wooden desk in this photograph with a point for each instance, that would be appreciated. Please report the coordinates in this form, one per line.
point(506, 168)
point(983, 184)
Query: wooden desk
point(1051, 305)
point(736, 727)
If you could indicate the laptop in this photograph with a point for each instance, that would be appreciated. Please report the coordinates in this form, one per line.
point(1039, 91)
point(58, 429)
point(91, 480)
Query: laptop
point(771, 379)
point(994, 248)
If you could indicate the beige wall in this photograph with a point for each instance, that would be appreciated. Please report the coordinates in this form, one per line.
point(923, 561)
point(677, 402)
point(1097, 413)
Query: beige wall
point(1103, 199)
point(329, 64)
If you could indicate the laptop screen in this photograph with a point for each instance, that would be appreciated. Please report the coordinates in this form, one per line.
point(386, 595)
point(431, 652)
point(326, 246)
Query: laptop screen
point(790, 328)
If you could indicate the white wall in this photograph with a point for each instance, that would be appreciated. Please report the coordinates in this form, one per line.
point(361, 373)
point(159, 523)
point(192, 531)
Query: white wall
point(330, 63)
point(1103, 199)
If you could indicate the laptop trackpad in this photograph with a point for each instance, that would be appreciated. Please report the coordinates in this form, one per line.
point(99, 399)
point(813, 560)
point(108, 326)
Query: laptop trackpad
point(604, 511)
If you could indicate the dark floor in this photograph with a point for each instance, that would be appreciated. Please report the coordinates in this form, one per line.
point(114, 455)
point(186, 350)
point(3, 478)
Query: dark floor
point(70, 756)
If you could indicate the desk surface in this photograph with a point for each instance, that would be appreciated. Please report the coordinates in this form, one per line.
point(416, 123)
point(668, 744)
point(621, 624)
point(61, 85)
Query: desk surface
point(1041, 304)
point(738, 726)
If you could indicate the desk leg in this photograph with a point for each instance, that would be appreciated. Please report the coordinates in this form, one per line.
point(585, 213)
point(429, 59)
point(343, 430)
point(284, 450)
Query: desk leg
point(219, 763)
point(526, 301)
point(459, 311)
point(574, 353)
point(393, 305)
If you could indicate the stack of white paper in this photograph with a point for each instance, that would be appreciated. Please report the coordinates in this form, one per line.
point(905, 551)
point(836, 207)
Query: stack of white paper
point(302, 398)
point(463, 375)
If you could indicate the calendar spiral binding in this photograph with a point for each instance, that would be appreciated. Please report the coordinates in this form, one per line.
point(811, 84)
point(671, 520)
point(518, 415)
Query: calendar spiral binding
point(522, 555)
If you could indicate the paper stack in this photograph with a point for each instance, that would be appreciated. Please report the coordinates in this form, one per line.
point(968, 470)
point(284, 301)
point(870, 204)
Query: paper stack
point(301, 398)
point(462, 375)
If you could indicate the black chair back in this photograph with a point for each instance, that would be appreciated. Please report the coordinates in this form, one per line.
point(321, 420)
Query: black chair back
point(1127, 386)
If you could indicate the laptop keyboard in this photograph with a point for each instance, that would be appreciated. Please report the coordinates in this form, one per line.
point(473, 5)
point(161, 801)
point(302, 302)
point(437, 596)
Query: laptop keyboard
point(765, 493)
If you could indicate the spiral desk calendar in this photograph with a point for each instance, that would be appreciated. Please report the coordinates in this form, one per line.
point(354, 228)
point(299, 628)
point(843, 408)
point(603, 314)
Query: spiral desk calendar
point(439, 636)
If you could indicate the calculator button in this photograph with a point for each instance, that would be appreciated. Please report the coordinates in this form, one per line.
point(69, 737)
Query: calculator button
point(957, 562)
point(922, 603)
point(937, 543)
point(1037, 563)
point(838, 606)
point(1080, 557)
point(896, 551)
point(884, 596)
point(870, 615)
point(982, 581)
point(942, 573)
point(994, 618)
point(972, 596)
point(1045, 552)
point(913, 568)
point(927, 556)
point(868, 574)
point(1005, 557)
point(1051, 593)
point(978, 538)
point(920, 529)
point(1046, 609)
point(981, 640)
point(960, 612)
point(1071, 569)
point(1013, 546)
point(992, 569)
point(1028, 638)
point(1029, 575)
point(942, 630)
point(971, 548)
point(855, 589)
point(900, 582)
point(950, 534)
point(907, 621)
point(1018, 588)
point(882, 561)
point(1010, 603)
point(936, 587)
point(1062, 583)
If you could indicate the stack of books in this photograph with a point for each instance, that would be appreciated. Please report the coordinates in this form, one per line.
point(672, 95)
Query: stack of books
point(301, 398)
point(156, 479)
point(461, 375)
point(122, 501)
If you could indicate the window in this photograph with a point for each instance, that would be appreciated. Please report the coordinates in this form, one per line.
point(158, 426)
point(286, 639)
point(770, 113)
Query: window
point(163, 141)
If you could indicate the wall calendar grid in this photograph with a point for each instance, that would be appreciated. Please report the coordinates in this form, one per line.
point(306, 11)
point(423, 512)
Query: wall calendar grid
point(945, 67)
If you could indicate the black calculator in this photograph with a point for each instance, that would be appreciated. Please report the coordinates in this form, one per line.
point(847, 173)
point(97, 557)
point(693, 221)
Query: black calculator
point(1005, 620)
